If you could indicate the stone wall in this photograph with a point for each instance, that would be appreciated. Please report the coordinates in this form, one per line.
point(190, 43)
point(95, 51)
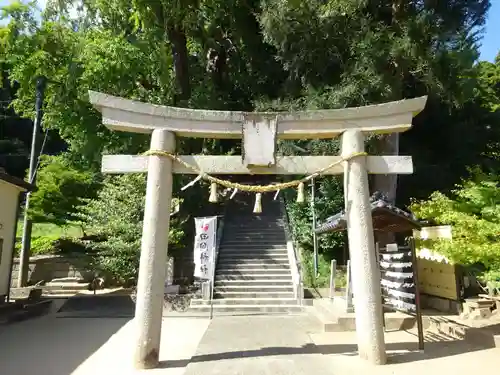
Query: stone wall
point(48, 267)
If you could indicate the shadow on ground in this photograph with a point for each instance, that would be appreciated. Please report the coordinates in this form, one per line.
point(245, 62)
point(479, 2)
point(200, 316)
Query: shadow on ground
point(51, 346)
point(400, 352)
point(98, 306)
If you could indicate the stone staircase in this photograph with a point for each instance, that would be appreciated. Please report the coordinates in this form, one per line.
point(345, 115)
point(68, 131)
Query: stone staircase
point(65, 287)
point(252, 273)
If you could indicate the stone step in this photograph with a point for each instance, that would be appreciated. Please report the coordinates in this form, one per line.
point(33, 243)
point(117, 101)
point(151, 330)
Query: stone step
point(255, 233)
point(235, 219)
point(253, 254)
point(267, 253)
point(249, 248)
point(253, 294)
point(244, 229)
point(61, 293)
point(252, 244)
point(228, 262)
point(335, 319)
point(255, 228)
point(262, 309)
point(246, 245)
point(489, 336)
point(268, 288)
point(264, 257)
point(275, 216)
point(258, 265)
point(258, 247)
point(71, 280)
point(249, 271)
point(253, 277)
point(246, 253)
point(257, 241)
point(248, 215)
point(66, 285)
point(270, 282)
point(241, 217)
point(256, 238)
point(247, 301)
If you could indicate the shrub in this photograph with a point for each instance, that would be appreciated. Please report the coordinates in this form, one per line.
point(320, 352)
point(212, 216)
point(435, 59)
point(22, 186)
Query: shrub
point(117, 215)
point(473, 211)
point(53, 244)
point(60, 190)
point(329, 200)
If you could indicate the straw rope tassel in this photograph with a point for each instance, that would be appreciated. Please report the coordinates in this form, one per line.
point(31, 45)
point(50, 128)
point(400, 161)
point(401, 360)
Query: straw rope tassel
point(257, 208)
point(300, 193)
point(213, 193)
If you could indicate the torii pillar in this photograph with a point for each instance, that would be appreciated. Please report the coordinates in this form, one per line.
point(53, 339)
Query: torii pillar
point(259, 132)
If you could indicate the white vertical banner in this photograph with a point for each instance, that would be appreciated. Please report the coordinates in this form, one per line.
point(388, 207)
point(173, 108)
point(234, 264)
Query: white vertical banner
point(204, 246)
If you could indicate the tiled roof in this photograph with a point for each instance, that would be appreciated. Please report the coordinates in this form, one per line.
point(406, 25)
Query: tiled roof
point(386, 217)
point(24, 185)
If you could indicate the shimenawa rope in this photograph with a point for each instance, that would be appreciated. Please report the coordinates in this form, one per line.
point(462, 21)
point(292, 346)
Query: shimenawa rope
point(258, 189)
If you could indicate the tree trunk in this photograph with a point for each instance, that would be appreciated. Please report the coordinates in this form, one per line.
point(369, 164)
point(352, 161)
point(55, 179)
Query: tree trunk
point(180, 54)
point(389, 144)
point(386, 184)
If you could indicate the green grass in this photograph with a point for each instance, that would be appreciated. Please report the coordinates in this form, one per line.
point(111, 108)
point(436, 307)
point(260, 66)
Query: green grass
point(51, 230)
point(43, 235)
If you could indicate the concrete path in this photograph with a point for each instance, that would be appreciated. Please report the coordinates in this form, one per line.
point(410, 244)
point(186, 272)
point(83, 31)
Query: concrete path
point(180, 338)
point(251, 345)
point(258, 345)
point(442, 355)
point(54, 345)
point(51, 346)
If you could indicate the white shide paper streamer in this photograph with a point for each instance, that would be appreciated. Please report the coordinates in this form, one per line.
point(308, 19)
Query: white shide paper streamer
point(389, 256)
point(395, 264)
point(400, 304)
point(395, 284)
point(399, 275)
point(397, 293)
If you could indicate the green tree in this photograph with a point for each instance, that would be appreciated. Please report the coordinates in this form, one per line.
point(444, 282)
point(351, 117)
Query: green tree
point(61, 190)
point(473, 211)
point(262, 54)
point(116, 216)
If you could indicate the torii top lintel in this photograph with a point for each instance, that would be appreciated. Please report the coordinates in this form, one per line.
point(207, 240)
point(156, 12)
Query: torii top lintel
point(138, 117)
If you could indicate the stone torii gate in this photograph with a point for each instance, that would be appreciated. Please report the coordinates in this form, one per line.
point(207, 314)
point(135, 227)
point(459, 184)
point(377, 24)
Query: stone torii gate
point(259, 132)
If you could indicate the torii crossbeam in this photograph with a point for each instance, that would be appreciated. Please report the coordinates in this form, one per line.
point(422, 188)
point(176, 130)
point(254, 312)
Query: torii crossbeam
point(259, 132)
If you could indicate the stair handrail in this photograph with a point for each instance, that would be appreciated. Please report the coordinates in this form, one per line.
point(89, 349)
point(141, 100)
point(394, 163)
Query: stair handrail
point(218, 238)
point(293, 256)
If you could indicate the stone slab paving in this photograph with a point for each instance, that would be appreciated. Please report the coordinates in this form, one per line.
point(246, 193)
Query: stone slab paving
point(259, 345)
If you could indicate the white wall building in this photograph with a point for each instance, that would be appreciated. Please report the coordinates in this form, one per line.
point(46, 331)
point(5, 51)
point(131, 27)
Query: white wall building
point(10, 189)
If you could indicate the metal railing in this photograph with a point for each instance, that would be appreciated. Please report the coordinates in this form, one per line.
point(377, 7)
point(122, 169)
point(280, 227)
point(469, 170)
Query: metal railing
point(293, 256)
point(220, 229)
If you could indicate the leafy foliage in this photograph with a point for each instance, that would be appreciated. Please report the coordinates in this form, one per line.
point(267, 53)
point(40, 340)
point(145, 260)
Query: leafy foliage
point(42, 245)
point(259, 54)
point(61, 189)
point(54, 244)
point(328, 201)
point(116, 215)
point(473, 210)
